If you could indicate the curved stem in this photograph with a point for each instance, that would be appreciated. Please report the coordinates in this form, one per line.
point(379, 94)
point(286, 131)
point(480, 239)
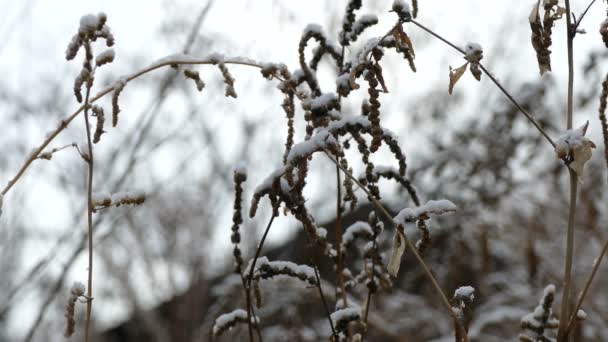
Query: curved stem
point(66, 121)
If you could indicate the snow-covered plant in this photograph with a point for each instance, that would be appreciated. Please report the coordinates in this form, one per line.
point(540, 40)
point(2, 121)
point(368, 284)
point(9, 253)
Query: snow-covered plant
point(329, 132)
point(541, 324)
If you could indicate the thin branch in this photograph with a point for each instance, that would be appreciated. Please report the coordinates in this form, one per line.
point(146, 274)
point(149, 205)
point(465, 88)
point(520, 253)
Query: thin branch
point(562, 334)
point(325, 306)
point(340, 261)
point(369, 291)
point(90, 163)
point(66, 121)
point(527, 114)
point(578, 22)
point(250, 276)
point(581, 296)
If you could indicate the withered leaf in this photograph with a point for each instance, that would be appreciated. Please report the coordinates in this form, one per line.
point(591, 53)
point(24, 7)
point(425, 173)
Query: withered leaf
point(455, 75)
point(402, 38)
point(396, 253)
point(379, 77)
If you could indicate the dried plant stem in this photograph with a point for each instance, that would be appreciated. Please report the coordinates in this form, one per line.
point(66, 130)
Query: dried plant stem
point(369, 291)
point(90, 163)
point(66, 121)
point(527, 114)
point(340, 262)
point(250, 276)
point(581, 297)
point(578, 21)
point(562, 334)
point(409, 244)
point(325, 306)
point(250, 312)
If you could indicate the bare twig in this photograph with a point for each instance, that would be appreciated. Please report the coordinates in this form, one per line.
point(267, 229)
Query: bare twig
point(562, 334)
point(250, 276)
point(340, 261)
point(66, 121)
point(579, 20)
point(90, 163)
point(527, 114)
point(581, 296)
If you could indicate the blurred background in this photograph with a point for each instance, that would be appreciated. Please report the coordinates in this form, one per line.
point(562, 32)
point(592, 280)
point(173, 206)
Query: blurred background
point(163, 270)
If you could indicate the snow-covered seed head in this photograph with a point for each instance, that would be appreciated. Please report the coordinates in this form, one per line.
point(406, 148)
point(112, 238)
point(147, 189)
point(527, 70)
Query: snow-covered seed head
point(403, 10)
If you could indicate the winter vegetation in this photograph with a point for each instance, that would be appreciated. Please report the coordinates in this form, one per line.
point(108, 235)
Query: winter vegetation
point(495, 230)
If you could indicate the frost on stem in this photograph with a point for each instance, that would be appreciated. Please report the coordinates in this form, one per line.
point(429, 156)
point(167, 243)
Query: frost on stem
point(76, 292)
point(408, 216)
point(229, 320)
point(461, 307)
point(575, 149)
point(540, 324)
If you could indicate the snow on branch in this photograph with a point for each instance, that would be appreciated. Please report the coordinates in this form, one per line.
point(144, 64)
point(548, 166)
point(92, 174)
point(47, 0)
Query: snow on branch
point(359, 229)
point(408, 216)
point(541, 321)
point(229, 320)
point(461, 307)
point(266, 269)
point(320, 141)
point(342, 317)
point(575, 149)
point(425, 211)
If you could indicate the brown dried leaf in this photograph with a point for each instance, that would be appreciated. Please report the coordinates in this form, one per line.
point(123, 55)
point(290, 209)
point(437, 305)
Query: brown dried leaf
point(379, 77)
point(455, 75)
point(539, 40)
point(402, 38)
